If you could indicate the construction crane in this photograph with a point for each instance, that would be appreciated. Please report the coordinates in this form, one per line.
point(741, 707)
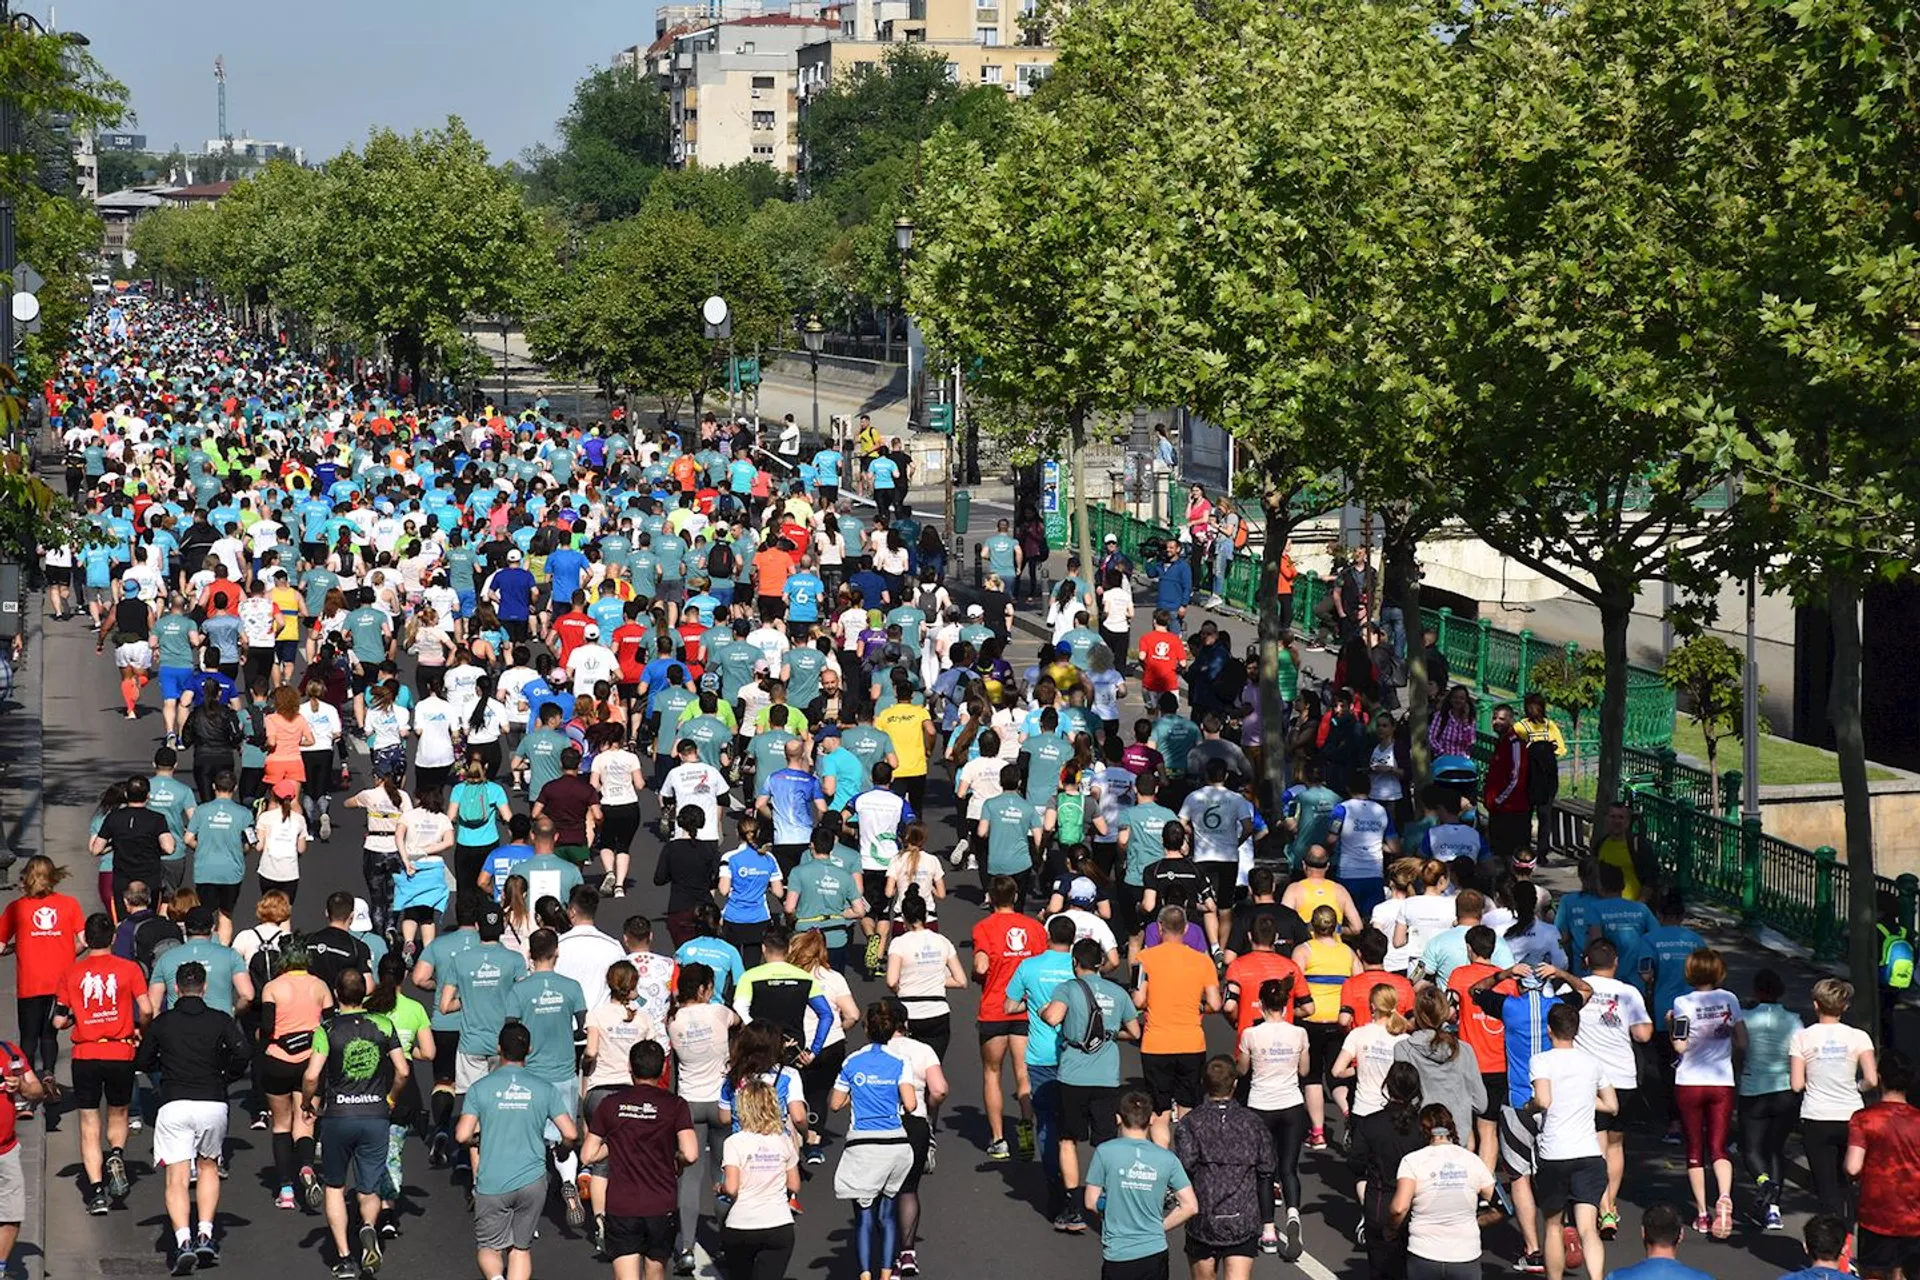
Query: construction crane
point(220, 86)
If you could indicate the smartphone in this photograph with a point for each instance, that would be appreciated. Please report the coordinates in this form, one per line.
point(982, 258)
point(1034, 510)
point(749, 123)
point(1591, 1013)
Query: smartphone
point(1680, 1028)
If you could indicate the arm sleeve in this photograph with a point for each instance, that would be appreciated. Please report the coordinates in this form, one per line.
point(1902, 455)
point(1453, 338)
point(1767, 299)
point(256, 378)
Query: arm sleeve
point(823, 1012)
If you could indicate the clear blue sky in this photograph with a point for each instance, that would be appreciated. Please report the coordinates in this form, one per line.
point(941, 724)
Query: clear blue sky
point(319, 75)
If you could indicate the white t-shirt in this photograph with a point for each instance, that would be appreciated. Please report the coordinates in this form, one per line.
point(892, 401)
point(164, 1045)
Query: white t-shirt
point(923, 972)
point(613, 773)
point(433, 719)
point(461, 682)
point(1447, 1181)
point(981, 776)
point(585, 955)
point(1385, 916)
point(1087, 924)
point(1275, 1049)
point(494, 721)
point(280, 843)
point(1116, 608)
point(920, 1059)
point(763, 1160)
point(1426, 915)
point(423, 829)
point(1606, 1022)
point(324, 720)
point(834, 987)
point(1708, 1018)
point(698, 1033)
point(1215, 814)
point(1832, 1054)
point(699, 784)
point(1372, 1048)
point(617, 1038)
point(590, 663)
point(386, 726)
point(1567, 1131)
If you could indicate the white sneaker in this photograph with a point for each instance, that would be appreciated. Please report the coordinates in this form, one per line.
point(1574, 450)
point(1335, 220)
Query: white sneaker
point(326, 825)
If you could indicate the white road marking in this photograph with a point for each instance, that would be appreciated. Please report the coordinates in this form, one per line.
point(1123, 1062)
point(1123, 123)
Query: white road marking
point(1313, 1267)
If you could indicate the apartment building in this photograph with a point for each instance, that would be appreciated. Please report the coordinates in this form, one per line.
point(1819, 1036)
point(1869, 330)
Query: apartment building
point(733, 88)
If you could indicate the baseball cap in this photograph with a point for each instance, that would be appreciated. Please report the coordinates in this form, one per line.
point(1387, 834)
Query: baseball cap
point(590, 631)
point(513, 556)
point(975, 611)
point(129, 588)
point(1523, 860)
point(831, 729)
point(286, 789)
point(491, 924)
point(710, 682)
point(1082, 895)
point(1113, 539)
point(362, 921)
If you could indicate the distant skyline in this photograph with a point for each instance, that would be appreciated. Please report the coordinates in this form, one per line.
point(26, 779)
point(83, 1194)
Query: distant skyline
point(319, 76)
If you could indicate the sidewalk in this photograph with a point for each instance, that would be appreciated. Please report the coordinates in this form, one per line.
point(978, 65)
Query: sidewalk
point(23, 773)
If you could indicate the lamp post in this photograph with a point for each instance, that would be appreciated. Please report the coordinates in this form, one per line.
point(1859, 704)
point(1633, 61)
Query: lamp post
point(814, 334)
point(25, 24)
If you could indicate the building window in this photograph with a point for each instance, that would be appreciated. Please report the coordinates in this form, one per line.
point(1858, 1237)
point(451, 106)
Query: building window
point(989, 36)
point(953, 72)
point(990, 74)
point(1029, 74)
point(763, 151)
point(762, 85)
point(763, 120)
point(986, 16)
point(863, 66)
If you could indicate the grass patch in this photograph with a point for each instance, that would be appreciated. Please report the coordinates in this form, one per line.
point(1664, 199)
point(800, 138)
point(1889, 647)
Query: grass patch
point(1783, 762)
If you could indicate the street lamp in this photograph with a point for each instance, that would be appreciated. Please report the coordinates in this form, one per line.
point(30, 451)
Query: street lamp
point(814, 334)
point(903, 234)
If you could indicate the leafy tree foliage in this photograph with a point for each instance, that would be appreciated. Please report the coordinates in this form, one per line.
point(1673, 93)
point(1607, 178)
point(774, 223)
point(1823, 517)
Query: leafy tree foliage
point(614, 139)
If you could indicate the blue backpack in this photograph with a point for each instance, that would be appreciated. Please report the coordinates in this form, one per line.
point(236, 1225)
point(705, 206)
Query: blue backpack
point(1896, 959)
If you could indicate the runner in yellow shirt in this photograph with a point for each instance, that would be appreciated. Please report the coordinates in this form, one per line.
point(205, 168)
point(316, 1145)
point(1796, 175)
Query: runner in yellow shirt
point(290, 607)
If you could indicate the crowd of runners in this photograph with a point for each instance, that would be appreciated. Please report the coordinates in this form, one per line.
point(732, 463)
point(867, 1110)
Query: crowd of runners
point(549, 665)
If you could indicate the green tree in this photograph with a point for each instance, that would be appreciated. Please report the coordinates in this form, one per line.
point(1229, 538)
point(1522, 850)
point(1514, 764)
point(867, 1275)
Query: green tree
point(626, 311)
point(711, 195)
point(1576, 683)
point(118, 170)
point(411, 236)
point(1712, 677)
point(794, 239)
point(614, 139)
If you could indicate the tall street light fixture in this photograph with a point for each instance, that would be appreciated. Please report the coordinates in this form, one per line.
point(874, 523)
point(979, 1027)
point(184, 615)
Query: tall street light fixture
point(814, 334)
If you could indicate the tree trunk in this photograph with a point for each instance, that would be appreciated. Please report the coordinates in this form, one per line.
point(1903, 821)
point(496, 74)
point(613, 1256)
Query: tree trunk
point(1076, 442)
point(1400, 565)
point(1274, 711)
point(1616, 612)
point(1863, 917)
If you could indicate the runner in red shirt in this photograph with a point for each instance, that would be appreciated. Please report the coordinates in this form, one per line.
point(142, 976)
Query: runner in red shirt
point(1000, 943)
point(103, 999)
point(570, 628)
point(1247, 972)
point(629, 644)
point(1162, 654)
point(1356, 993)
point(1883, 1153)
point(42, 928)
point(1487, 1037)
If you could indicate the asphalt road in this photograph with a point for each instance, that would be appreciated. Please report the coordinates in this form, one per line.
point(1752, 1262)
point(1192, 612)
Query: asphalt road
point(979, 1218)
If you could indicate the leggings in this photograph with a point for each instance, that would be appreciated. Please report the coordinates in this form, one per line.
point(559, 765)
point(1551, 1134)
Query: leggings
point(1765, 1121)
point(39, 1042)
point(206, 766)
point(1289, 1129)
point(289, 887)
point(864, 1221)
point(757, 1255)
point(489, 754)
point(378, 868)
point(1427, 1269)
point(618, 826)
point(701, 1173)
point(816, 1083)
point(1826, 1143)
point(1706, 1113)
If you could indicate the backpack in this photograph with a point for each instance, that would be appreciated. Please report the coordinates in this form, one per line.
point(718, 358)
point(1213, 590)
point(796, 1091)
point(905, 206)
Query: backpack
point(1095, 1038)
point(1240, 534)
point(468, 818)
point(269, 959)
point(1896, 959)
point(720, 561)
point(256, 726)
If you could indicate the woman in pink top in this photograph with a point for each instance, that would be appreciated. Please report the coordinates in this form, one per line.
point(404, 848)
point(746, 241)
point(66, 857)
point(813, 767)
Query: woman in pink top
point(288, 734)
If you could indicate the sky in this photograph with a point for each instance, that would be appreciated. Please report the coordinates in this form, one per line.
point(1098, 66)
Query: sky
point(320, 75)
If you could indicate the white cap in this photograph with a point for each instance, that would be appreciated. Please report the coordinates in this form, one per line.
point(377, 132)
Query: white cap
point(975, 611)
point(362, 921)
point(513, 556)
point(591, 632)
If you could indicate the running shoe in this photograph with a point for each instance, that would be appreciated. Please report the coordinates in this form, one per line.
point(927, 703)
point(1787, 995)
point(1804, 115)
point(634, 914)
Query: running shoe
point(570, 1197)
point(933, 1155)
point(1702, 1225)
point(205, 1251)
point(326, 825)
point(606, 885)
point(683, 1263)
point(1609, 1225)
point(620, 891)
point(1723, 1218)
point(134, 1123)
point(1576, 1252)
point(260, 1121)
point(346, 1270)
point(221, 1167)
point(1672, 1138)
point(1024, 1139)
point(369, 1249)
point(1773, 1222)
point(97, 1202)
point(1316, 1139)
point(1295, 1243)
point(1269, 1242)
point(284, 1200)
point(816, 1155)
point(437, 1151)
point(906, 1265)
point(997, 1150)
point(1070, 1221)
point(184, 1260)
point(1531, 1264)
point(312, 1194)
point(117, 1183)
point(389, 1228)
